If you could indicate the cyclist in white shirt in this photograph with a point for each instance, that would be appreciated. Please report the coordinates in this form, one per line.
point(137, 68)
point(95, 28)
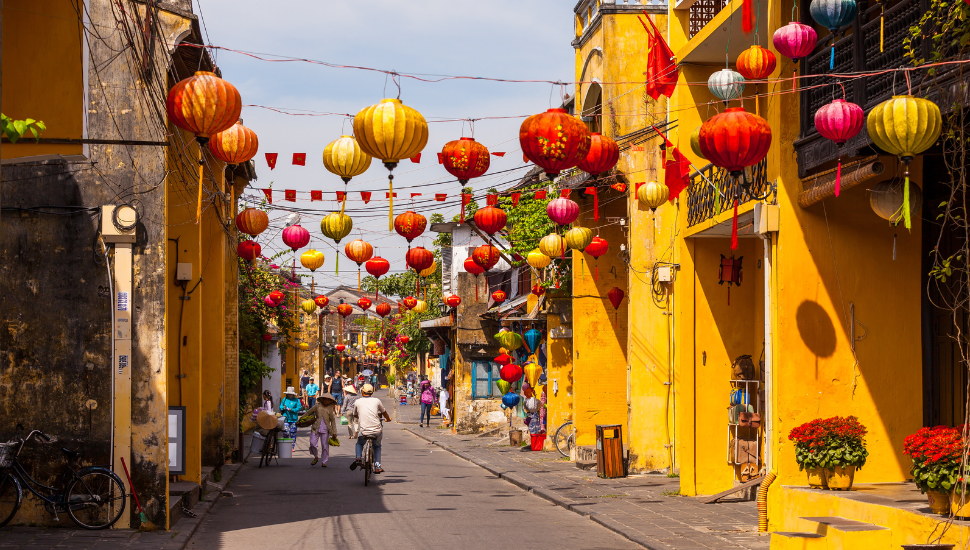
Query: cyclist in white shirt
point(369, 411)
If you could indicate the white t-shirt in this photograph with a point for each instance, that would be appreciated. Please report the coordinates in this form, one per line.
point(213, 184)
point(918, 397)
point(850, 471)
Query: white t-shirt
point(443, 398)
point(368, 411)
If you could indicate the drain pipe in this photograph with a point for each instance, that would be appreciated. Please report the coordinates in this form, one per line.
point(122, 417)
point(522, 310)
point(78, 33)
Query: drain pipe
point(763, 502)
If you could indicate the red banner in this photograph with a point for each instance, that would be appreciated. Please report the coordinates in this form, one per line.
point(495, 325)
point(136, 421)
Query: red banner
point(289, 195)
point(341, 195)
point(565, 193)
point(491, 199)
point(271, 160)
point(299, 159)
point(365, 196)
point(541, 194)
point(515, 198)
point(316, 196)
point(416, 158)
point(440, 197)
point(269, 195)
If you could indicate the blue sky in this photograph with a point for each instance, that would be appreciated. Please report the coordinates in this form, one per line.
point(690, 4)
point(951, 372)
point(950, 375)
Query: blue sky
point(527, 40)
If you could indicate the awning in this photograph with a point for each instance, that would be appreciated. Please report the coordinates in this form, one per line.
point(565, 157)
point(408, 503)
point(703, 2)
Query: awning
point(440, 322)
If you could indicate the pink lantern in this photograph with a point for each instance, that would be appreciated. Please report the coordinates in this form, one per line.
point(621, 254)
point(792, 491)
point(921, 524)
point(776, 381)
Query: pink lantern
point(269, 302)
point(839, 121)
point(795, 40)
point(562, 211)
point(296, 237)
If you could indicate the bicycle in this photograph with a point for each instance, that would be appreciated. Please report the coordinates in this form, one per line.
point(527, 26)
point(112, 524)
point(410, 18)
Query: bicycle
point(93, 497)
point(367, 458)
point(270, 448)
point(565, 438)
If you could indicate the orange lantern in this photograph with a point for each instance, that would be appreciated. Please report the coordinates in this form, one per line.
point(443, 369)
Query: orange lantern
point(554, 140)
point(756, 63)
point(235, 145)
point(486, 256)
point(383, 309)
point(465, 158)
point(410, 225)
point(364, 303)
point(252, 221)
point(345, 310)
point(359, 251)
point(409, 302)
point(602, 156)
point(498, 297)
point(419, 259)
point(490, 219)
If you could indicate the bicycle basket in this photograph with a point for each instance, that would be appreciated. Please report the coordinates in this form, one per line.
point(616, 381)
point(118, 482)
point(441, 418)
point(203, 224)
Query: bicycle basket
point(6, 454)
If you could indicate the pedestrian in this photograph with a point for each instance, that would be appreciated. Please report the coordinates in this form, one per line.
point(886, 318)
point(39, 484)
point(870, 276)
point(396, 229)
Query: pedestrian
point(334, 387)
point(311, 393)
point(348, 407)
point(323, 428)
point(443, 405)
point(427, 400)
point(304, 381)
point(290, 407)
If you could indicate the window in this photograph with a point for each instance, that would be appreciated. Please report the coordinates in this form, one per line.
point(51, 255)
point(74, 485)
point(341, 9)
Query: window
point(486, 376)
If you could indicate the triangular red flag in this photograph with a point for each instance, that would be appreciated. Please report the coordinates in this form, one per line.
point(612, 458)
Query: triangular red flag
point(365, 196)
point(388, 195)
point(271, 160)
point(515, 198)
point(415, 195)
point(316, 196)
point(541, 194)
point(416, 158)
point(289, 195)
point(441, 159)
point(440, 197)
point(498, 154)
point(596, 201)
point(491, 199)
point(299, 159)
point(341, 195)
point(676, 170)
point(465, 197)
point(269, 195)
point(565, 193)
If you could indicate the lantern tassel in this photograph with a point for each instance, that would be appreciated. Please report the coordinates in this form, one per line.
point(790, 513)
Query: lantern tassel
point(734, 227)
point(838, 178)
point(882, 26)
point(198, 211)
point(582, 269)
point(358, 278)
point(596, 272)
point(832, 54)
point(596, 204)
point(390, 198)
point(906, 217)
point(336, 269)
point(746, 16)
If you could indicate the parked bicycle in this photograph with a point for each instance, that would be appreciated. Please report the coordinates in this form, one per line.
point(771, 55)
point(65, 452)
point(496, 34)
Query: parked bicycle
point(270, 448)
point(93, 497)
point(565, 438)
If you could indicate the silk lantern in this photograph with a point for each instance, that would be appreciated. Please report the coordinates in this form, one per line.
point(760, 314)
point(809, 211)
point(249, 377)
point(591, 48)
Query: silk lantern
point(248, 250)
point(465, 159)
point(886, 200)
point(578, 238)
point(726, 85)
point(296, 237)
point(652, 195)
point(616, 298)
point(510, 340)
point(340, 347)
point(510, 399)
point(322, 301)
point(234, 145)
point(252, 221)
point(304, 346)
point(486, 256)
point(270, 302)
point(498, 297)
point(344, 157)
point(905, 126)
point(419, 259)
point(553, 245)
point(695, 143)
point(429, 271)
point(420, 307)
point(403, 339)
point(537, 259)
point(410, 302)
point(794, 41)
point(383, 309)
point(377, 266)
point(359, 251)
point(562, 211)
point(511, 373)
point(756, 63)
point(839, 121)
point(472, 267)
point(833, 15)
point(554, 141)
point(532, 338)
point(364, 303)
point(453, 300)
point(602, 156)
point(410, 225)
point(503, 386)
point(336, 226)
point(277, 297)
point(267, 337)
point(391, 131)
point(532, 373)
point(490, 219)
point(503, 359)
point(538, 289)
point(597, 247)
point(345, 310)
point(309, 306)
point(312, 259)
point(204, 105)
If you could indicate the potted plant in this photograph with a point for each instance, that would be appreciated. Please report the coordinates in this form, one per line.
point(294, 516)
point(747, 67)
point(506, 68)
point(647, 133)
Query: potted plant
point(843, 450)
point(936, 465)
point(808, 446)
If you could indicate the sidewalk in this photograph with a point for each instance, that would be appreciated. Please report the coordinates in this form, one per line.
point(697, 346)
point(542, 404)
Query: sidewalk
point(643, 508)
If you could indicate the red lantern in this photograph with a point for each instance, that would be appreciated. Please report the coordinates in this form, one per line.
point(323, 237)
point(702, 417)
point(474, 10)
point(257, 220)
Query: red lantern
point(756, 63)
point(252, 221)
point(322, 301)
point(511, 373)
point(503, 359)
point(235, 145)
point(486, 256)
point(490, 219)
point(616, 298)
point(419, 259)
point(538, 290)
point(267, 337)
point(602, 156)
point(296, 237)
point(453, 300)
point(404, 339)
point(383, 309)
point(248, 250)
point(465, 159)
point(554, 140)
point(596, 248)
point(410, 302)
point(498, 297)
point(730, 273)
point(472, 267)
point(277, 297)
point(410, 225)
point(377, 266)
point(340, 347)
point(364, 303)
point(345, 310)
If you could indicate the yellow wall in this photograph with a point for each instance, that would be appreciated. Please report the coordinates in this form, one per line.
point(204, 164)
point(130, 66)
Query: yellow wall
point(214, 245)
point(559, 370)
point(42, 72)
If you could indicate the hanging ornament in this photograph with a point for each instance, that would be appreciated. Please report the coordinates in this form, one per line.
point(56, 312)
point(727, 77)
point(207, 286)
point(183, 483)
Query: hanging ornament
point(532, 373)
point(537, 259)
point(486, 256)
point(267, 337)
point(465, 159)
point(311, 259)
point(597, 247)
point(833, 15)
point(695, 143)
point(538, 290)
point(235, 145)
point(304, 346)
point(359, 252)
point(429, 271)
point(472, 267)
point(490, 219)
point(510, 400)
point(795, 41)
point(344, 157)
point(309, 306)
point(905, 126)
point(391, 131)
point(554, 141)
point(252, 221)
point(653, 195)
point(453, 300)
point(377, 266)
point(383, 309)
point(553, 245)
point(510, 340)
point(322, 301)
point(269, 302)
point(277, 297)
point(419, 259)
point(420, 307)
point(756, 63)
point(511, 373)
point(730, 273)
point(340, 347)
point(578, 238)
point(296, 237)
point(248, 250)
point(532, 338)
point(336, 226)
point(503, 386)
point(498, 297)
point(345, 310)
point(410, 225)
point(204, 105)
point(726, 85)
point(616, 298)
point(562, 211)
point(410, 302)
point(364, 303)
point(839, 121)
point(602, 156)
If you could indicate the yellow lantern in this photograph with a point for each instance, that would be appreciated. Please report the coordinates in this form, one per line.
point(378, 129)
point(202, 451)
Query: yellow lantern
point(304, 346)
point(421, 307)
point(344, 157)
point(578, 238)
point(308, 306)
point(311, 259)
point(553, 245)
point(652, 195)
point(695, 142)
point(905, 126)
point(532, 372)
point(391, 131)
point(336, 226)
point(430, 271)
point(537, 259)
point(510, 341)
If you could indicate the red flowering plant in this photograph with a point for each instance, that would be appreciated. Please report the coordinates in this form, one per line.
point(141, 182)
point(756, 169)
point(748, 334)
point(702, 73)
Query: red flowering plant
point(830, 442)
point(937, 454)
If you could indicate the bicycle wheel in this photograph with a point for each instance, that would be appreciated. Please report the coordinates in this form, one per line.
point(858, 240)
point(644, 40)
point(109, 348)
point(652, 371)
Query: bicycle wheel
point(95, 499)
point(565, 438)
point(11, 495)
point(368, 461)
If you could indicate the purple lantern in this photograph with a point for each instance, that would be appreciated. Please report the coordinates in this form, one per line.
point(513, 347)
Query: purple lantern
point(562, 211)
point(839, 121)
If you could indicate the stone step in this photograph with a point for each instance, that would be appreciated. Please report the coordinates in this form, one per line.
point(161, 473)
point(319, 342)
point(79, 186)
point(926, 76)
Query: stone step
point(586, 464)
point(844, 534)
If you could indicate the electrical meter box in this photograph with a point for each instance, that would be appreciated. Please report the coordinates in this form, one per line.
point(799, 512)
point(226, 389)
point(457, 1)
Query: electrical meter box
point(118, 223)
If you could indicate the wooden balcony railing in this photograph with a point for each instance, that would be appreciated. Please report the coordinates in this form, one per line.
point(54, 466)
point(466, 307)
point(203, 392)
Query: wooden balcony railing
point(712, 191)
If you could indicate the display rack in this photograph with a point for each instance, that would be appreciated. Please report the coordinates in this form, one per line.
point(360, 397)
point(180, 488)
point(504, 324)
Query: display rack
point(750, 401)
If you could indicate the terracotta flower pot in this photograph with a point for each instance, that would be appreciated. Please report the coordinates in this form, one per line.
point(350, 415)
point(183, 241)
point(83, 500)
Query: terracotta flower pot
point(939, 502)
point(816, 478)
point(840, 477)
point(960, 505)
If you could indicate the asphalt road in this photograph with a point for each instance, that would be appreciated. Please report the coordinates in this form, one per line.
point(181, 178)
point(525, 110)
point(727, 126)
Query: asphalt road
point(426, 499)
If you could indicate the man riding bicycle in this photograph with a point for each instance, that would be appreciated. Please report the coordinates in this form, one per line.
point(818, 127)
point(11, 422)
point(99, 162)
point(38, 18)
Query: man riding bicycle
point(369, 411)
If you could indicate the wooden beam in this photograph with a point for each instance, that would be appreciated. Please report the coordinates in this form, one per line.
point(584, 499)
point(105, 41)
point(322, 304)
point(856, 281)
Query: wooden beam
point(738, 489)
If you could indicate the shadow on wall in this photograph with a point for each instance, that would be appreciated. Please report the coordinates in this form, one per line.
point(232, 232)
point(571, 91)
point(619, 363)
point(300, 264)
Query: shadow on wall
point(816, 329)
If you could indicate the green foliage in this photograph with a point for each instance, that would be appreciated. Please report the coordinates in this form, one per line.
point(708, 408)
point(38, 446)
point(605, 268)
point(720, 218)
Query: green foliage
point(470, 208)
point(256, 281)
point(528, 222)
point(15, 129)
point(251, 371)
point(937, 476)
point(443, 239)
point(946, 24)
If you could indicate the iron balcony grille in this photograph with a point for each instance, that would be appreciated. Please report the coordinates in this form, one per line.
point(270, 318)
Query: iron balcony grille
point(712, 191)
